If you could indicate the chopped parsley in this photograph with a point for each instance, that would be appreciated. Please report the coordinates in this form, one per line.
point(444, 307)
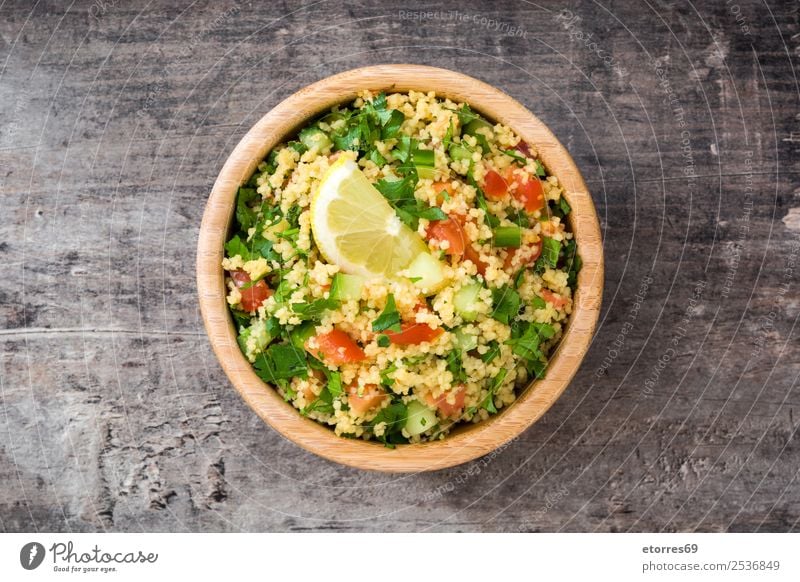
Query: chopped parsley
point(506, 304)
point(395, 416)
point(550, 251)
point(488, 402)
point(281, 362)
point(389, 319)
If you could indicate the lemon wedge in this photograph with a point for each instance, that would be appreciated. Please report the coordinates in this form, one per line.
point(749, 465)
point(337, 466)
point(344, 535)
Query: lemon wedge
point(356, 228)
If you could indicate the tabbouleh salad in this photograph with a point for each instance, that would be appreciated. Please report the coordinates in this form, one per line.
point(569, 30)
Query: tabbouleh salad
point(401, 267)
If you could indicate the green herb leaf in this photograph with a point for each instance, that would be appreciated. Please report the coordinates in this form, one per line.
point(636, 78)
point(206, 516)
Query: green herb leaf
point(433, 213)
point(506, 304)
point(315, 309)
point(245, 216)
point(235, 247)
point(550, 251)
point(516, 156)
point(488, 402)
point(492, 352)
point(386, 379)
point(384, 341)
point(389, 319)
point(526, 345)
point(391, 120)
point(448, 136)
point(455, 366)
point(395, 416)
point(281, 362)
point(397, 191)
point(323, 404)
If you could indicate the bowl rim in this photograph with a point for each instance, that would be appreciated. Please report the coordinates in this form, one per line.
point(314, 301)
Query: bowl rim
point(471, 441)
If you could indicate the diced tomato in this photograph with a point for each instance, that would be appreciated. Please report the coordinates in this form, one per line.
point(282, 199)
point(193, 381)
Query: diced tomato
point(446, 408)
point(524, 255)
point(371, 396)
point(472, 255)
point(254, 295)
point(494, 185)
point(336, 347)
point(440, 187)
point(523, 148)
point(451, 231)
point(414, 333)
point(553, 299)
point(529, 192)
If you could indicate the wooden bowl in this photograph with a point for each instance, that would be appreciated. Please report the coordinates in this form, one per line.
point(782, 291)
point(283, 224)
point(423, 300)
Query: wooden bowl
point(467, 442)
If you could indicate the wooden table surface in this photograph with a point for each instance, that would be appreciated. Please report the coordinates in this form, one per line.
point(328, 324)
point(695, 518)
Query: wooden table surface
point(114, 121)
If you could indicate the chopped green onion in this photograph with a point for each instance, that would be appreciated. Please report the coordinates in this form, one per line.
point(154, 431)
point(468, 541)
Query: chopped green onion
point(507, 236)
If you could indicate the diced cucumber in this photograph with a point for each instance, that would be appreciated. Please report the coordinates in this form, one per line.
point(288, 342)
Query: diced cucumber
point(254, 339)
point(300, 334)
point(420, 418)
point(425, 163)
point(473, 126)
point(346, 287)
point(458, 152)
point(242, 339)
point(314, 137)
point(465, 341)
point(427, 273)
point(465, 301)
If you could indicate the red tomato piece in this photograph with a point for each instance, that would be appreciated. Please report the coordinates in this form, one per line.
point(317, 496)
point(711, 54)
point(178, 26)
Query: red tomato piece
point(524, 255)
point(371, 396)
point(527, 189)
point(440, 187)
point(414, 333)
point(472, 255)
point(446, 408)
point(336, 347)
point(451, 231)
point(553, 299)
point(254, 295)
point(494, 185)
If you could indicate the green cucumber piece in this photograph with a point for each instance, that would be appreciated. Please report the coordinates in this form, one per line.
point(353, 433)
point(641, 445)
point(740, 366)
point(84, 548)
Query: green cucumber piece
point(465, 341)
point(427, 273)
point(300, 334)
point(465, 301)
point(425, 163)
point(420, 418)
point(346, 287)
point(473, 126)
point(458, 152)
point(314, 137)
point(257, 336)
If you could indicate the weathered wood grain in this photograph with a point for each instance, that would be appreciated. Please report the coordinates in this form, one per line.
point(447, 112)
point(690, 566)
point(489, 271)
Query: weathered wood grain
point(114, 122)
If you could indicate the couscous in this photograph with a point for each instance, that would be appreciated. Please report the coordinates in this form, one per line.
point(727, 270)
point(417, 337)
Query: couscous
point(401, 267)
